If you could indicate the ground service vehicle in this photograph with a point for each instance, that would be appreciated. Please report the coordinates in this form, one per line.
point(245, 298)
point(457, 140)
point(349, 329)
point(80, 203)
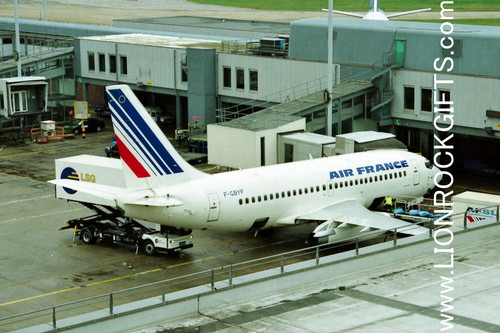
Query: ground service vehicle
point(108, 225)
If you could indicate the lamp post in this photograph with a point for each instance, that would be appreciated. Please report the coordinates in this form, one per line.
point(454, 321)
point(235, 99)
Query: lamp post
point(17, 55)
point(330, 68)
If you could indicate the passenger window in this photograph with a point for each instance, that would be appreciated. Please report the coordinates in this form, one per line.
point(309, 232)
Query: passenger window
point(247, 201)
point(265, 197)
point(294, 192)
point(350, 182)
point(259, 199)
point(241, 202)
point(277, 195)
point(312, 189)
point(289, 193)
point(271, 196)
point(324, 187)
point(341, 184)
point(355, 182)
point(336, 185)
point(317, 188)
point(346, 183)
point(282, 194)
point(306, 191)
point(253, 199)
point(385, 176)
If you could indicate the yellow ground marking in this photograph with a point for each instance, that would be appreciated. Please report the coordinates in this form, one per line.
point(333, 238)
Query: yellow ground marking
point(145, 272)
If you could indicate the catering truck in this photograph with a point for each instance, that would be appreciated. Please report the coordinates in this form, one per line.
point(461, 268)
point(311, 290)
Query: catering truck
point(108, 222)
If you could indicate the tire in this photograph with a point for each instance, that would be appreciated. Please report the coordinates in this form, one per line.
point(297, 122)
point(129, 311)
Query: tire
point(87, 236)
point(149, 247)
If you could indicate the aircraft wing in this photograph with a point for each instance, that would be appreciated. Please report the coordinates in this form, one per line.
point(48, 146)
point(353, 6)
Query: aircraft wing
point(354, 213)
point(96, 190)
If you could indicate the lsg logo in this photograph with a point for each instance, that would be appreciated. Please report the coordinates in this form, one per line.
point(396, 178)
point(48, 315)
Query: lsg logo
point(70, 173)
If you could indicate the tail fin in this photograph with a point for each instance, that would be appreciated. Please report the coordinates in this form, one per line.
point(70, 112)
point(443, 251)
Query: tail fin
point(143, 147)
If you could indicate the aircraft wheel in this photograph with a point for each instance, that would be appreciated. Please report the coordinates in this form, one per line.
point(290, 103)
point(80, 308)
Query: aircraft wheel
point(149, 247)
point(87, 236)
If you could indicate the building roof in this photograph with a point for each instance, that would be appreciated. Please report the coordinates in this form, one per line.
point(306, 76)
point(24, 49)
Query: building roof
point(366, 136)
point(373, 43)
point(155, 40)
point(311, 138)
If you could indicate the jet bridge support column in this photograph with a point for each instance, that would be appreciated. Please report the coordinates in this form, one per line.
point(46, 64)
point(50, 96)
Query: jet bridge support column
point(201, 85)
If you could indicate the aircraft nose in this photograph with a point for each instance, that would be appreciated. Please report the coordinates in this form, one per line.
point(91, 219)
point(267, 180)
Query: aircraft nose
point(436, 175)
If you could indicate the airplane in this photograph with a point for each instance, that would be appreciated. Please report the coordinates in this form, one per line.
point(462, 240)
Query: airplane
point(333, 192)
point(377, 14)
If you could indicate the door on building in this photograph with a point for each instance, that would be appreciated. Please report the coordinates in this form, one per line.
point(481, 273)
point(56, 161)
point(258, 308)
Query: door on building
point(19, 101)
point(213, 205)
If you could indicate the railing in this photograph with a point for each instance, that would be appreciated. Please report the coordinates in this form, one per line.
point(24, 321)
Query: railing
point(286, 95)
point(164, 292)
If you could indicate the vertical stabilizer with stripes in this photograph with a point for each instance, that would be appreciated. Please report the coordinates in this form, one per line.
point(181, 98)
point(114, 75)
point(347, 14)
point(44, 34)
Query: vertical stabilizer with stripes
point(147, 154)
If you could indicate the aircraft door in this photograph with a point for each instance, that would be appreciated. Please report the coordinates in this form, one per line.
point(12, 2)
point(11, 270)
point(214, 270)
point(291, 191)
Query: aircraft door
point(416, 173)
point(213, 207)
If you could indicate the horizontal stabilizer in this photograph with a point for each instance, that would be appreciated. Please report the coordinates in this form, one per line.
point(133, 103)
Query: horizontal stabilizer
point(409, 12)
point(95, 190)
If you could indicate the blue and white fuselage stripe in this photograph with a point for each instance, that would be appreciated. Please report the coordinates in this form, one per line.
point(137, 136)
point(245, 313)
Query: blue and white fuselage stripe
point(139, 136)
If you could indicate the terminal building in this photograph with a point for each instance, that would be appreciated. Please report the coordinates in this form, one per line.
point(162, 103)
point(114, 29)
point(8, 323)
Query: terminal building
point(218, 71)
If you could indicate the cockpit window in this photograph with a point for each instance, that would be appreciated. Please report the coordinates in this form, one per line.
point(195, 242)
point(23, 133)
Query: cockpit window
point(428, 164)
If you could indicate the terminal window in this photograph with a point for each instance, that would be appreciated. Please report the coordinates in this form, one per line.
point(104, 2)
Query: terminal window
point(240, 78)
point(409, 98)
point(112, 63)
point(91, 59)
point(123, 65)
point(254, 80)
point(426, 100)
point(102, 62)
point(227, 77)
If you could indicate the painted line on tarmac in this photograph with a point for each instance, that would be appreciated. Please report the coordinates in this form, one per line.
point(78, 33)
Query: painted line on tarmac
point(49, 151)
point(144, 273)
point(24, 200)
point(40, 296)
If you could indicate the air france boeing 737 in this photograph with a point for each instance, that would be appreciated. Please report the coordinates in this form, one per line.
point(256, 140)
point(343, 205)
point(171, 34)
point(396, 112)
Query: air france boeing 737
point(334, 192)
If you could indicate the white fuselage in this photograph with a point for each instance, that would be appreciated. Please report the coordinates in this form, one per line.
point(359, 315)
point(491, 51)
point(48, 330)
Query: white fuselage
point(277, 195)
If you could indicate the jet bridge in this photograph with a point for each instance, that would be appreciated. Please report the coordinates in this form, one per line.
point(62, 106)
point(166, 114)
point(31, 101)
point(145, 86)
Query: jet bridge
point(23, 96)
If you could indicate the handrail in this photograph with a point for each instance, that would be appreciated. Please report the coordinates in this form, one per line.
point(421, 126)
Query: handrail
point(287, 94)
point(230, 269)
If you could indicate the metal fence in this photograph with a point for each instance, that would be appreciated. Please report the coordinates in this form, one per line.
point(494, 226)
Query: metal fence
point(164, 292)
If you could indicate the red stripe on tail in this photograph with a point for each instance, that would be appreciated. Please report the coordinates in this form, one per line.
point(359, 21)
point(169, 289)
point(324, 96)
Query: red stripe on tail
point(131, 161)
